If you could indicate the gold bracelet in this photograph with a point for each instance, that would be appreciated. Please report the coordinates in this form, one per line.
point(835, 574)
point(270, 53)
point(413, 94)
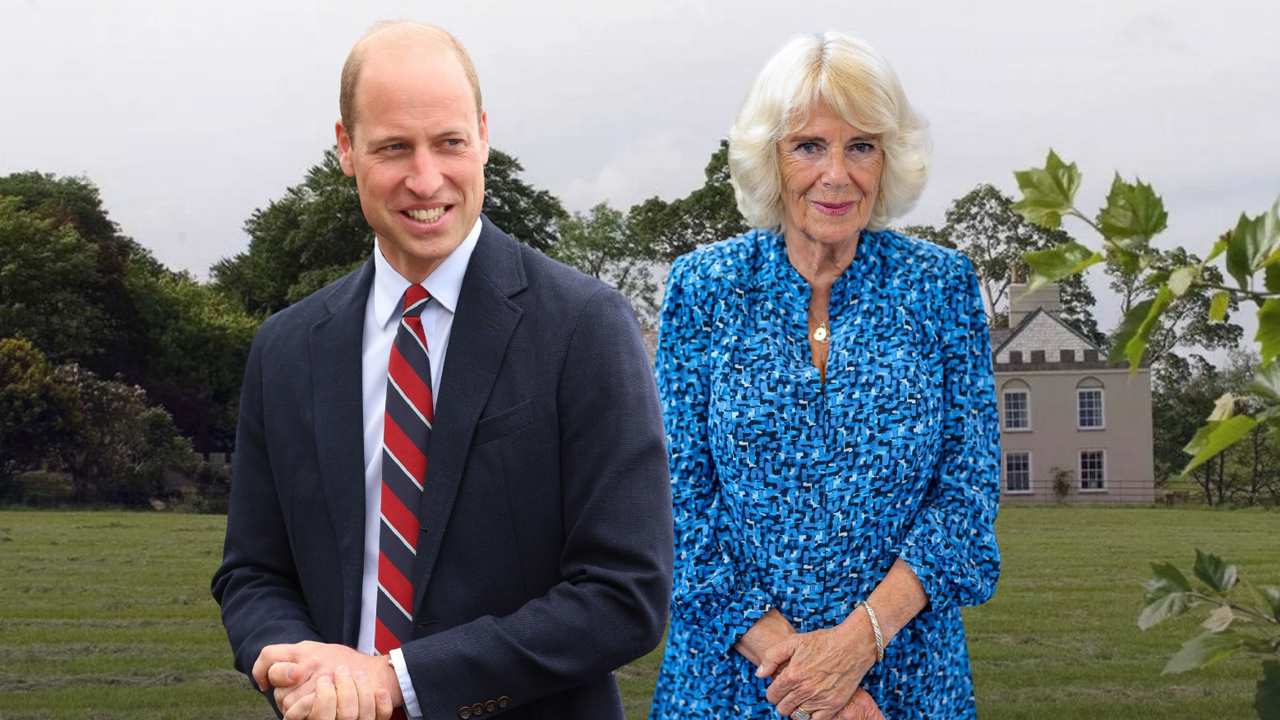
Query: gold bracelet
point(875, 628)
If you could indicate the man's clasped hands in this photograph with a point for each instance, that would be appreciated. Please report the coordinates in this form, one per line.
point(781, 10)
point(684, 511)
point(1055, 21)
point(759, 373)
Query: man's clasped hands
point(319, 681)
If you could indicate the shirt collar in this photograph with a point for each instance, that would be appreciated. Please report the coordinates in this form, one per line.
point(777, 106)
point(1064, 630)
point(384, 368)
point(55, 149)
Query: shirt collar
point(444, 283)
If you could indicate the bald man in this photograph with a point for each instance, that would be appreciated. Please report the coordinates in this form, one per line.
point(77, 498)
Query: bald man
point(450, 492)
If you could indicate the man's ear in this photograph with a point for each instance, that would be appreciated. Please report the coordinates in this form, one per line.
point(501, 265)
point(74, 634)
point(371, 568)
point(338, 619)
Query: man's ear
point(484, 137)
point(344, 149)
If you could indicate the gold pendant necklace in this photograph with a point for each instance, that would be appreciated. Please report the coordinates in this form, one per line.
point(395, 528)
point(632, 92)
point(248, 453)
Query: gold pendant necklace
point(822, 333)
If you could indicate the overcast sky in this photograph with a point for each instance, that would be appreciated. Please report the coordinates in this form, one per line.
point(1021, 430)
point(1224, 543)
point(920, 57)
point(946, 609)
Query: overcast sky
point(189, 116)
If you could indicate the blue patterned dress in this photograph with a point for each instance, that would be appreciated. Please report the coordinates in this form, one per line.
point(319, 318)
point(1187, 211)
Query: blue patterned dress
point(796, 496)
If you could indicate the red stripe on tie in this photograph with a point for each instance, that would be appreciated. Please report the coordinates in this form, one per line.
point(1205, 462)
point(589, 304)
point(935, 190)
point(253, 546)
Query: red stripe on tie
point(415, 324)
point(414, 387)
point(403, 448)
point(400, 517)
point(396, 584)
point(384, 641)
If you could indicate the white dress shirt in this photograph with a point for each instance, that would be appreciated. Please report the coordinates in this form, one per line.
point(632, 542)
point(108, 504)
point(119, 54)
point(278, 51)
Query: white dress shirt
point(381, 319)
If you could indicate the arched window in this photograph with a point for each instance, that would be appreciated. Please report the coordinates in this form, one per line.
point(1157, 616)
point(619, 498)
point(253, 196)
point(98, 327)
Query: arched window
point(1016, 405)
point(1090, 405)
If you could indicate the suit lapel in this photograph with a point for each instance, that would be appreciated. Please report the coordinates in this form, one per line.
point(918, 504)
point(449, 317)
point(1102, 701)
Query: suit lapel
point(339, 430)
point(482, 326)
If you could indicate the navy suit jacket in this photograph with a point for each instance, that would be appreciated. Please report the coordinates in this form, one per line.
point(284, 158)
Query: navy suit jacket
point(545, 556)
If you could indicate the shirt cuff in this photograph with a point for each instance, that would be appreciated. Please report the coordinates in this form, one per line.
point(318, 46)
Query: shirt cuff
point(411, 707)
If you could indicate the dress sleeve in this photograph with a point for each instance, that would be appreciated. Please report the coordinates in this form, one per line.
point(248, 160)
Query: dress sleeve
point(951, 545)
point(715, 592)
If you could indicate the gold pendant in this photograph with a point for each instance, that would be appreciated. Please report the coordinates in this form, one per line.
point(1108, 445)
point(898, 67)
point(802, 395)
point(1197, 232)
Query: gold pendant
point(821, 333)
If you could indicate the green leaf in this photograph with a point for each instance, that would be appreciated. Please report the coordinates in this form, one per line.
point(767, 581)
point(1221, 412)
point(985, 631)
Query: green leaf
point(1128, 328)
point(1181, 279)
point(1266, 702)
point(1214, 572)
point(1255, 243)
point(1223, 408)
point(1219, 620)
point(1272, 278)
point(1059, 262)
point(1266, 383)
point(1133, 212)
point(1268, 336)
point(1219, 247)
point(1166, 578)
point(1156, 279)
point(1218, 306)
point(1137, 344)
point(1048, 193)
point(1202, 651)
point(1271, 598)
point(1162, 609)
point(1200, 439)
point(1222, 436)
point(1166, 595)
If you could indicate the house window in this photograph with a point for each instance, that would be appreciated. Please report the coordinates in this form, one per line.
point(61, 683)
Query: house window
point(1017, 472)
point(1017, 409)
point(1089, 405)
point(1093, 470)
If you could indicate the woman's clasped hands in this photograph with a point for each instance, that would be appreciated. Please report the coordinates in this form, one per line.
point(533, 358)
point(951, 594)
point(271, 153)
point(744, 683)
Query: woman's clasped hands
point(817, 675)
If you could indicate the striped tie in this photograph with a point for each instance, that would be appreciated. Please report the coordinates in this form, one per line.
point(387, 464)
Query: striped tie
point(406, 429)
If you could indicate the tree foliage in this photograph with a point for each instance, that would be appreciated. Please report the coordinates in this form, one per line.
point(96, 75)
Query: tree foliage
point(315, 226)
point(197, 341)
point(666, 230)
point(1132, 216)
point(1185, 324)
point(1183, 394)
point(984, 226)
point(528, 214)
point(123, 445)
point(600, 244)
point(1242, 619)
point(73, 204)
point(35, 410)
point(44, 271)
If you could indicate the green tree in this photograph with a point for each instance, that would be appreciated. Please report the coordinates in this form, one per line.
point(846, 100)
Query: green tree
point(75, 204)
point(528, 214)
point(937, 236)
point(1185, 323)
point(316, 226)
point(983, 225)
point(123, 445)
point(197, 341)
point(598, 243)
point(36, 411)
point(665, 230)
point(1183, 394)
point(44, 270)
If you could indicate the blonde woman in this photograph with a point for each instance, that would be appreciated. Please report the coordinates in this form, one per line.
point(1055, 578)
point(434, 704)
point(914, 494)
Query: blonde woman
point(830, 417)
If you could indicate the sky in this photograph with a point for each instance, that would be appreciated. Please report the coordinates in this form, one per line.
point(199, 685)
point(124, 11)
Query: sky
point(188, 116)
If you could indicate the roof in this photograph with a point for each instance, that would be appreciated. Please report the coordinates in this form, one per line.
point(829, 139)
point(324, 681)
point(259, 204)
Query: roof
point(1015, 331)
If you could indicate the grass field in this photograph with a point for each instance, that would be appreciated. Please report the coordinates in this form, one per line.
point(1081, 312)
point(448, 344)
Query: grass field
point(108, 615)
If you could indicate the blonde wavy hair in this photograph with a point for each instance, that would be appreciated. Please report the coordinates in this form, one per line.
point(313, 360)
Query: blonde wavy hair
point(857, 83)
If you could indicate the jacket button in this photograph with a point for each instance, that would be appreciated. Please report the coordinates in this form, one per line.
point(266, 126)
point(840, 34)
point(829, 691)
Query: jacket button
point(464, 712)
point(504, 701)
point(490, 705)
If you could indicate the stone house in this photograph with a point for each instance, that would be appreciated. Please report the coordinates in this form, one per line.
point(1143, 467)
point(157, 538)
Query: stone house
point(1068, 418)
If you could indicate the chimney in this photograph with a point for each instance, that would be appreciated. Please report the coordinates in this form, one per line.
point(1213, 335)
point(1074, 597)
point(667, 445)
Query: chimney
point(1022, 303)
